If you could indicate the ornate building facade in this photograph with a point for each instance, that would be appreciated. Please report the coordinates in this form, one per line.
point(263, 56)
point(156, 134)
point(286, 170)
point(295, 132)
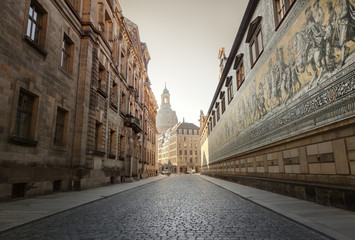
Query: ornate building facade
point(282, 117)
point(78, 111)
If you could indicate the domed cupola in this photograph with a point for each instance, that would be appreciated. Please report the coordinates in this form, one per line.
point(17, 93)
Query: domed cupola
point(166, 117)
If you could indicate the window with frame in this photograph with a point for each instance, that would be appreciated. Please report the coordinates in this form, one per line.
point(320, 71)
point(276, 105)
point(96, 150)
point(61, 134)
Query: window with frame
point(229, 85)
point(255, 40)
point(66, 61)
point(123, 103)
point(122, 146)
point(98, 136)
point(190, 131)
point(218, 111)
point(214, 118)
point(223, 104)
point(102, 81)
point(108, 28)
point(114, 95)
point(112, 144)
point(60, 135)
point(26, 115)
point(123, 65)
point(281, 8)
point(239, 67)
point(35, 31)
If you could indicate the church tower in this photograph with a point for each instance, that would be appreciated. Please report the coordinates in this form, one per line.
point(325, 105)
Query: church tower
point(166, 117)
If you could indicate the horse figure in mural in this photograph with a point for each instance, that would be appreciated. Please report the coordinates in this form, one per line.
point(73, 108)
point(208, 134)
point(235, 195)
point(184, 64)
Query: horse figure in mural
point(309, 45)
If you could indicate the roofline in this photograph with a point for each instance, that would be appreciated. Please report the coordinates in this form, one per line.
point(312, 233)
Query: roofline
point(248, 14)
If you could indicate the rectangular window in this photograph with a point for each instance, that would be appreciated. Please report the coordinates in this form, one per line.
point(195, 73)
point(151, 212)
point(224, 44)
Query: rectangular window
point(123, 65)
point(185, 131)
point(35, 28)
point(218, 112)
point(180, 131)
point(114, 95)
point(123, 103)
point(60, 127)
point(24, 125)
point(98, 134)
point(122, 146)
point(190, 131)
point(223, 104)
point(112, 144)
point(230, 92)
point(66, 61)
point(214, 120)
point(102, 78)
point(190, 152)
point(240, 75)
point(281, 8)
point(195, 132)
point(255, 40)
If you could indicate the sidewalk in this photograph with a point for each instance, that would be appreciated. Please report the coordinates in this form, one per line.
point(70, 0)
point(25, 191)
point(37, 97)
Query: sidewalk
point(334, 222)
point(16, 213)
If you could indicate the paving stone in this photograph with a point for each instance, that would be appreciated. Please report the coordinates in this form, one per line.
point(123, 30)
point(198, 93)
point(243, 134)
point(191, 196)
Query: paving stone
point(177, 207)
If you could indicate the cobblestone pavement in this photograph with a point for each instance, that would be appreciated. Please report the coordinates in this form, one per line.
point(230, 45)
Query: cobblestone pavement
point(177, 207)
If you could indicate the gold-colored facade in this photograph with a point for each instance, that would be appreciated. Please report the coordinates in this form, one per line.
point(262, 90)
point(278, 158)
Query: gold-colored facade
point(78, 108)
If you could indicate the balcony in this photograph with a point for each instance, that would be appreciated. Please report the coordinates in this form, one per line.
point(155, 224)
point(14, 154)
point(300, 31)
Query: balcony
point(133, 122)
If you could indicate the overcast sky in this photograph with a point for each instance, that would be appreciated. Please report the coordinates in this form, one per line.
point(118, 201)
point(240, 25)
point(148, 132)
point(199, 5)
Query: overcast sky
point(183, 38)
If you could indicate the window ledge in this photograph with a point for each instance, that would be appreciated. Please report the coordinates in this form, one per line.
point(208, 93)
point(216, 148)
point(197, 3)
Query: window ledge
point(59, 148)
point(37, 47)
point(102, 93)
point(68, 74)
point(113, 106)
point(99, 153)
point(23, 141)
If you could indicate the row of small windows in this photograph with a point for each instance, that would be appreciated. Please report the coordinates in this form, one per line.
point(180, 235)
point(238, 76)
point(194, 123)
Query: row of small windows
point(255, 40)
point(185, 152)
point(184, 160)
point(189, 131)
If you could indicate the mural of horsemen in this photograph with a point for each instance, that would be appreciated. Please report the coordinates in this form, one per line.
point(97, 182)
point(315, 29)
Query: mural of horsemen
point(317, 45)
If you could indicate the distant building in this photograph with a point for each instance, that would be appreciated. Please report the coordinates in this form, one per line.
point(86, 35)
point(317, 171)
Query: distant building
point(179, 149)
point(77, 110)
point(166, 117)
point(282, 116)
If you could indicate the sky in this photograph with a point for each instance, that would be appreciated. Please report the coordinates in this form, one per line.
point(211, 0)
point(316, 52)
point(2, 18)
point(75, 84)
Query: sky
point(183, 39)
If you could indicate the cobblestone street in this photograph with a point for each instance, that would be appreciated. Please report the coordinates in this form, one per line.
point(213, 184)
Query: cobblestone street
point(177, 207)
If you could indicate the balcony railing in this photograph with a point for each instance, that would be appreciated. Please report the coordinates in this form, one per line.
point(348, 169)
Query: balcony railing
point(133, 122)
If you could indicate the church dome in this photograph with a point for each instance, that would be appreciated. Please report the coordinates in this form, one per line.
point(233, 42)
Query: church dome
point(166, 117)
